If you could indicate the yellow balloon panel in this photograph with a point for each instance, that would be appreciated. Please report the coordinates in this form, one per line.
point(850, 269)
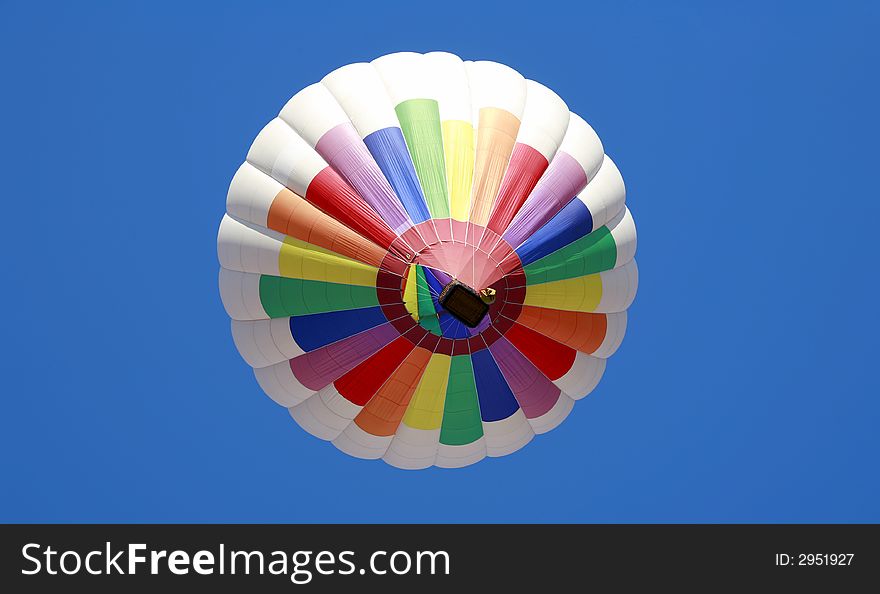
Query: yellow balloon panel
point(458, 144)
point(573, 294)
point(298, 259)
point(425, 409)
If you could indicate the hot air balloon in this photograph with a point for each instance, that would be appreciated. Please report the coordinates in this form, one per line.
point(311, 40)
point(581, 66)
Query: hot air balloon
point(427, 260)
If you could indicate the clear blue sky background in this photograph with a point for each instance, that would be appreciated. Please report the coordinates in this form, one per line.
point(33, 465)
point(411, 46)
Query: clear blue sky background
point(746, 389)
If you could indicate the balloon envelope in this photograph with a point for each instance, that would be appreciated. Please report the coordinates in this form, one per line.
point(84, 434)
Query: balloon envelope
point(427, 260)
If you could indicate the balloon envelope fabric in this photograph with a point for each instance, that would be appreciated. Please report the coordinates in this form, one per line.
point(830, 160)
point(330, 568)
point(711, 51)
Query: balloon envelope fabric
point(381, 186)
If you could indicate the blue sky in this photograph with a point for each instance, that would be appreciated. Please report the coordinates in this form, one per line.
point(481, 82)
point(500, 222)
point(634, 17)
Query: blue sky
point(746, 389)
